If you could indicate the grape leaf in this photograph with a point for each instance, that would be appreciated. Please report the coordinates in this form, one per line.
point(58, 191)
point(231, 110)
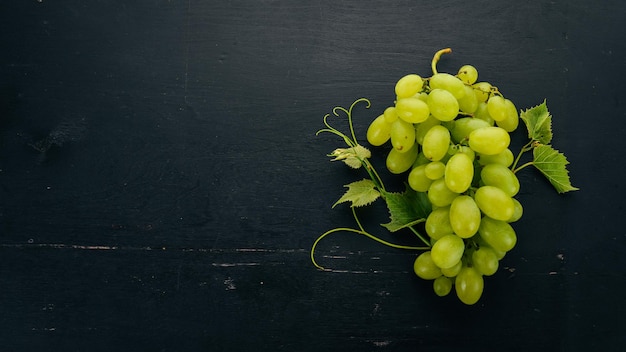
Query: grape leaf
point(351, 156)
point(539, 123)
point(552, 165)
point(406, 208)
point(359, 193)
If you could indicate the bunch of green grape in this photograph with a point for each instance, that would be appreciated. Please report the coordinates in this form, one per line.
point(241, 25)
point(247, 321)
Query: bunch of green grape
point(450, 135)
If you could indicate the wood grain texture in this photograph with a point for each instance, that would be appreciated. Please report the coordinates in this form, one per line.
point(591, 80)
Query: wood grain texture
point(182, 185)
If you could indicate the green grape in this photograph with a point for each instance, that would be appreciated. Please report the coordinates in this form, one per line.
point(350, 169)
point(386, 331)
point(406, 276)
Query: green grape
point(435, 170)
point(464, 216)
point(489, 140)
point(402, 135)
point(439, 194)
point(442, 286)
point(425, 268)
point(467, 151)
point(379, 131)
point(469, 285)
point(485, 261)
point(500, 176)
point(511, 121)
point(422, 128)
point(454, 270)
point(483, 244)
point(420, 160)
point(448, 124)
point(445, 158)
point(494, 202)
point(452, 148)
point(482, 90)
point(408, 86)
point(418, 180)
point(499, 235)
point(438, 223)
point(504, 158)
point(483, 114)
point(459, 173)
point(499, 254)
point(468, 74)
point(447, 251)
point(497, 108)
point(391, 114)
point(442, 104)
point(448, 83)
point(412, 109)
point(468, 104)
point(464, 126)
point(519, 211)
point(436, 142)
point(398, 163)
point(423, 96)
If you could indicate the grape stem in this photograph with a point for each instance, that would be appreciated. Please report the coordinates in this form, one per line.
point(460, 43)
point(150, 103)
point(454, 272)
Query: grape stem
point(523, 166)
point(373, 175)
point(433, 64)
point(528, 147)
point(419, 235)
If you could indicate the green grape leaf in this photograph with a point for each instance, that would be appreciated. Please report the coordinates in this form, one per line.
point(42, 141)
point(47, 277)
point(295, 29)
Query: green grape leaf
point(539, 123)
point(406, 209)
point(552, 165)
point(359, 193)
point(351, 156)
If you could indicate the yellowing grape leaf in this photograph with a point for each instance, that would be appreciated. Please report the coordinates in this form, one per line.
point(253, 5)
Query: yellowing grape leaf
point(359, 193)
point(539, 123)
point(351, 156)
point(552, 165)
point(406, 209)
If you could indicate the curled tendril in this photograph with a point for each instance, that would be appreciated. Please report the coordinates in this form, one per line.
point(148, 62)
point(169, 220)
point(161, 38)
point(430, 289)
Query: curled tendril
point(337, 111)
point(361, 232)
point(367, 106)
point(348, 111)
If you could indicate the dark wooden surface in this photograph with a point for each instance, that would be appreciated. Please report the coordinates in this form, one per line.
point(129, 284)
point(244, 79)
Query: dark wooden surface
point(161, 183)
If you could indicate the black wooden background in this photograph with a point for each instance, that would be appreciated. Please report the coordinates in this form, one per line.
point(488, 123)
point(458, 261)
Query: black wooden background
point(161, 183)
